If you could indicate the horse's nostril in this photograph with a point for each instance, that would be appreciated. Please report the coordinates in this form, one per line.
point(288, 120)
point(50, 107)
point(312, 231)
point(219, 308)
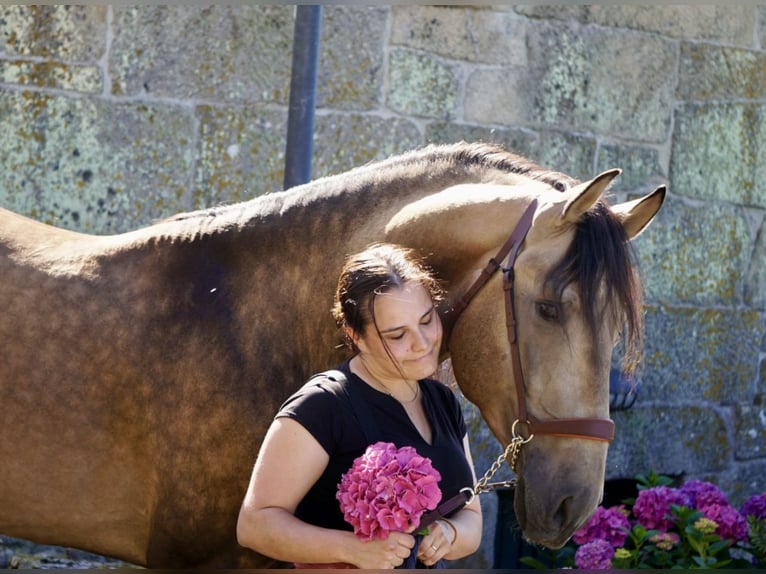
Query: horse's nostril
point(564, 512)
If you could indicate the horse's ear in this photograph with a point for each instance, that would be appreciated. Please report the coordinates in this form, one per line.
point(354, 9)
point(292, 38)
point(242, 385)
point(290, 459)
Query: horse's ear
point(586, 194)
point(637, 214)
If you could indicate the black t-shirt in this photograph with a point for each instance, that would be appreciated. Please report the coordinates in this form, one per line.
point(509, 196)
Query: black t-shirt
point(330, 419)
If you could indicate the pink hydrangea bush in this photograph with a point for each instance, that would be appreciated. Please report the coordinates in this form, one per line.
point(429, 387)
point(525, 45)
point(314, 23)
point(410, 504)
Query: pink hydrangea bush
point(388, 489)
point(692, 526)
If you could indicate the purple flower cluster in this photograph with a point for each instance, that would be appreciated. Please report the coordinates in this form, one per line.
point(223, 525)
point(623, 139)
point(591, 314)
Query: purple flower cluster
point(652, 506)
point(387, 489)
point(755, 506)
point(594, 555)
point(701, 494)
point(610, 524)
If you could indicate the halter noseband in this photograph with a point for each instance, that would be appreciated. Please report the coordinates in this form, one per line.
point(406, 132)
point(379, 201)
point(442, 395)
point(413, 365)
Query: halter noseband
point(586, 428)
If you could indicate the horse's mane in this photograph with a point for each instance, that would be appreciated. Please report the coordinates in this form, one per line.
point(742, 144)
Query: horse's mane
point(421, 162)
point(601, 257)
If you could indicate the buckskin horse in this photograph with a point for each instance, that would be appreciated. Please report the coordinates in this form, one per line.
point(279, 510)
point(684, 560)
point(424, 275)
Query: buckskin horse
point(140, 371)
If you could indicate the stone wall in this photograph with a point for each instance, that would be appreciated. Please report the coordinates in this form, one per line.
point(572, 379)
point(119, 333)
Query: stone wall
point(113, 117)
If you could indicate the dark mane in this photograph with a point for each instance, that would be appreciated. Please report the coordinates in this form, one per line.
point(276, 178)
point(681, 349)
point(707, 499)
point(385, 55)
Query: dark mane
point(602, 257)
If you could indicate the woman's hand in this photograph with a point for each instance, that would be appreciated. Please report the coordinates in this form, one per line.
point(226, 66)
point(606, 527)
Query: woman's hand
point(436, 544)
point(382, 554)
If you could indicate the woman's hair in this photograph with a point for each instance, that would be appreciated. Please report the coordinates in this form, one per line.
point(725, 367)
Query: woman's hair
point(378, 269)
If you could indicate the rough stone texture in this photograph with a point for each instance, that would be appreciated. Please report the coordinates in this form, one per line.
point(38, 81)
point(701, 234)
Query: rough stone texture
point(72, 33)
point(727, 24)
point(93, 166)
point(751, 431)
point(421, 86)
point(351, 57)
point(641, 166)
point(701, 354)
point(714, 72)
point(84, 79)
point(114, 116)
point(755, 286)
point(240, 154)
point(719, 153)
point(696, 253)
point(360, 139)
point(212, 53)
point(471, 34)
point(584, 77)
point(699, 441)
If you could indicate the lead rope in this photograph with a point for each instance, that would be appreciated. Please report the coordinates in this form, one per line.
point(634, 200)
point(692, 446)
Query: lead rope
point(510, 454)
point(467, 494)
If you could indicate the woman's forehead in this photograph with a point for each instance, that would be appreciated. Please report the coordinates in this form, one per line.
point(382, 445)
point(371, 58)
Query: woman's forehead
point(409, 302)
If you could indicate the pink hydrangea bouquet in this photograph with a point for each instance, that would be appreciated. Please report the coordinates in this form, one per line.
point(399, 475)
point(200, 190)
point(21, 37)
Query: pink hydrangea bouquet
point(691, 526)
point(388, 489)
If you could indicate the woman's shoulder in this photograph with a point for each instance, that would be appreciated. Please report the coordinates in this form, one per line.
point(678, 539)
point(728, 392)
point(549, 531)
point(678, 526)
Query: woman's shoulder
point(321, 389)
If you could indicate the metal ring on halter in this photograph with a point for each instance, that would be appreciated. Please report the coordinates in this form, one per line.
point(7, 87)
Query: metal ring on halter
point(471, 494)
point(516, 436)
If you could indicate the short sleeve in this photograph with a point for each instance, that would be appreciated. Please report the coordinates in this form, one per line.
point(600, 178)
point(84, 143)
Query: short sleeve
point(317, 408)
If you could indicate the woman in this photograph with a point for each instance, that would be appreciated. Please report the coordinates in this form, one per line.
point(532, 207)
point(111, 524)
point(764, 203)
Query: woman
point(385, 305)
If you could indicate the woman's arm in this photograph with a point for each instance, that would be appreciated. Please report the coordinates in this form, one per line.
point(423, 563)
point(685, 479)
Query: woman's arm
point(289, 463)
point(462, 537)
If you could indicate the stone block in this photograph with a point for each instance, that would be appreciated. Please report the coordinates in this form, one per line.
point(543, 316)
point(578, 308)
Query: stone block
point(695, 253)
point(708, 72)
point(744, 480)
point(718, 153)
point(641, 166)
point(93, 165)
point(240, 154)
point(52, 75)
point(350, 67)
point(452, 32)
point(241, 150)
point(693, 354)
point(232, 53)
point(569, 153)
point(583, 79)
point(669, 440)
point(522, 142)
point(755, 283)
point(422, 86)
point(346, 141)
point(726, 24)
point(750, 431)
point(57, 32)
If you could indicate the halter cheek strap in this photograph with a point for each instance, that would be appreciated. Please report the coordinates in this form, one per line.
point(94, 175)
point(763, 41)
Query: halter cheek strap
point(585, 428)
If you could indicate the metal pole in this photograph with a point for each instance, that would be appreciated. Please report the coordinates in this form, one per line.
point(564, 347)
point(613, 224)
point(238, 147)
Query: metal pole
point(300, 120)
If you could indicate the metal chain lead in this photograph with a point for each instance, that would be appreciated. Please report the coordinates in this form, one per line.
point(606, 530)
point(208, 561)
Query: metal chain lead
point(512, 451)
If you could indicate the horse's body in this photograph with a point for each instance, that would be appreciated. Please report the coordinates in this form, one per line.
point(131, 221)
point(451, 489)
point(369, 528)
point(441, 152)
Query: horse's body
point(140, 371)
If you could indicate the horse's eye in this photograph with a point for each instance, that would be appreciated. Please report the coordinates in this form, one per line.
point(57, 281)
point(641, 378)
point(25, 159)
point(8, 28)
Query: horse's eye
point(548, 311)
point(560, 186)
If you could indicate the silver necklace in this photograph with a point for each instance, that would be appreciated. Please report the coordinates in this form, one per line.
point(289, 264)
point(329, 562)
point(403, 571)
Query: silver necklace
point(416, 391)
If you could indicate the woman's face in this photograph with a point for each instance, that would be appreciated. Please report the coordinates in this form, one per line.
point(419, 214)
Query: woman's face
point(411, 329)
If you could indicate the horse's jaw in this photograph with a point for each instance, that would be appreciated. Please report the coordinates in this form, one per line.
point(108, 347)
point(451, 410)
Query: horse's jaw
point(555, 495)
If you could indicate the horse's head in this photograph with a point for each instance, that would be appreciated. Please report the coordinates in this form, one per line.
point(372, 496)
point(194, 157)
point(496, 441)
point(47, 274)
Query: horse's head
point(575, 294)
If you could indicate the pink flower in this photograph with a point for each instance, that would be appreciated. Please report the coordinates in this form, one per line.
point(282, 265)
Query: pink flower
point(652, 506)
point(388, 489)
point(731, 524)
point(594, 555)
point(755, 506)
point(610, 524)
point(665, 540)
point(702, 494)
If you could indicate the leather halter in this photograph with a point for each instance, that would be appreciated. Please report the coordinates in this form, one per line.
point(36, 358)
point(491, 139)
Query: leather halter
point(586, 428)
